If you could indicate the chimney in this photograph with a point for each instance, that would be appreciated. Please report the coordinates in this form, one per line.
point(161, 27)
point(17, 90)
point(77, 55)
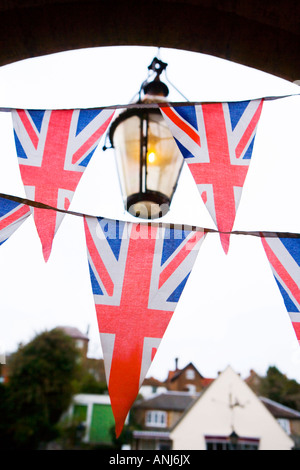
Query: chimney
point(176, 363)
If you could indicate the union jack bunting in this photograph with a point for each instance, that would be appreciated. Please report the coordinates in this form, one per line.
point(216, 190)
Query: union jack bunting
point(216, 141)
point(138, 273)
point(54, 147)
point(284, 257)
point(12, 215)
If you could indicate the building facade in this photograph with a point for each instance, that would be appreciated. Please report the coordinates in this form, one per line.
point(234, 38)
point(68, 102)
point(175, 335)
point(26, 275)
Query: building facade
point(226, 415)
point(229, 406)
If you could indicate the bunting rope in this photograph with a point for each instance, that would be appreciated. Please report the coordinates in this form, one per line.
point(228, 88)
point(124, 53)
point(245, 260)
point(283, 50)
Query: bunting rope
point(194, 228)
point(149, 105)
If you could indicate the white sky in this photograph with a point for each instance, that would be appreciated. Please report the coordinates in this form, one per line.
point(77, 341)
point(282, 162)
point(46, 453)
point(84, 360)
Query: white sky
point(231, 312)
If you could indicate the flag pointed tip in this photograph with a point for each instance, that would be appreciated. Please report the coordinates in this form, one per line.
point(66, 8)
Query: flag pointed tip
point(119, 429)
point(224, 237)
point(119, 424)
point(121, 403)
point(46, 253)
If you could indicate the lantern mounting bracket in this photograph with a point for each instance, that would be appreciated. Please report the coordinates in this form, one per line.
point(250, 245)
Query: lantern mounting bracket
point(157, 66)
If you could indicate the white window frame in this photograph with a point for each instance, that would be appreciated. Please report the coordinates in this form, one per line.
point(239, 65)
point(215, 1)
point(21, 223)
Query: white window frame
point(156, 418)
point(223, 443)
point(190, 374)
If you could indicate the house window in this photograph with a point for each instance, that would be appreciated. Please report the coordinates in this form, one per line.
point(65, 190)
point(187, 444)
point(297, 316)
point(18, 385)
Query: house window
point(191, 388)
point(190, 374)
point(79, 343)
point(285, 424)
point(222, 443)
point(156, 419)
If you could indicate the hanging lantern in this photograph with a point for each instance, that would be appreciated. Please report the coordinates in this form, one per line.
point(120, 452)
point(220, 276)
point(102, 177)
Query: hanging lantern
point(148, 159)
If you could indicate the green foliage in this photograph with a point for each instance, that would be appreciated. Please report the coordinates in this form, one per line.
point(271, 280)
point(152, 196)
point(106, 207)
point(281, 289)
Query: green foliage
point(41, 385)
point(124, 438)
point(279, 388)
point(88, 384)
point(7, 417)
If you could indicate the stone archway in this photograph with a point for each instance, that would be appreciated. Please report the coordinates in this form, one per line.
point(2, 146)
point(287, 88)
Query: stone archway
point(262, 33)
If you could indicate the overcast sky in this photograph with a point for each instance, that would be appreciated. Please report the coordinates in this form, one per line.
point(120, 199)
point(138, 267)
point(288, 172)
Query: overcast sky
point(231, 312)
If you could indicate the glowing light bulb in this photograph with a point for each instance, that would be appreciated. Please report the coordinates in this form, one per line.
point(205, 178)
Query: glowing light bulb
point(151, 157)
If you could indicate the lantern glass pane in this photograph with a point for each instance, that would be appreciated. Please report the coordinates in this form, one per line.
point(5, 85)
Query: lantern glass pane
point(164, 159)
point(127, 146)
point(149, 171)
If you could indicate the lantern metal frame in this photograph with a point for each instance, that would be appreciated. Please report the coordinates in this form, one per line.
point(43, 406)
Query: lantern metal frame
point(155, 91)
point(144, 192)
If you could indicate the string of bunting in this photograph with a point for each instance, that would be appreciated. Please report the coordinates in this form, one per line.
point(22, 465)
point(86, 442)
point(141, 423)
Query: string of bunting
point(193, 228)
point(148, 105)
point(138, 270)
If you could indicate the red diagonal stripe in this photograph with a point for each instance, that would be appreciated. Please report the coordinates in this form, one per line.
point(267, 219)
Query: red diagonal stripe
point(178, 259)
point(249, 131)
point(28, 126)
point(182, 125)
point(296, 326)
point(281, 271)
point(14, 217)
point(91, 141)
point(98, 263)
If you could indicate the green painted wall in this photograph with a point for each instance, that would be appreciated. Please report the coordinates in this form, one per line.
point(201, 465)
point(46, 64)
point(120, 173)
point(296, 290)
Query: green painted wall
point(101, 423)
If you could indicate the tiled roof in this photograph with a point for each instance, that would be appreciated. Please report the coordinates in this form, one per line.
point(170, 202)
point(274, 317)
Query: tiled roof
point(153, 382)
point(73, 332)
point(176, 401)
point(278, 410)
point(206, 382)
point(176, 373)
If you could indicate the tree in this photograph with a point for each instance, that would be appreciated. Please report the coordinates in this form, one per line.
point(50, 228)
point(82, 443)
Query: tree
point(88, 384)
point(279, 388)
point(41, 385)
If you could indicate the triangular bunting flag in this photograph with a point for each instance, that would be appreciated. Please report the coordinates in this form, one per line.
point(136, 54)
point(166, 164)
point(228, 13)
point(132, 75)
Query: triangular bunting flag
point(54, 147)
point(12, 215)
point(216, 141)
point(137, 274)
point(284, 257)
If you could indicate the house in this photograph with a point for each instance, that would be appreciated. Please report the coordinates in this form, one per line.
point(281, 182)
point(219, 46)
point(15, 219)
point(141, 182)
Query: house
point(288, 419)
point(229, 406)
point(209, 420)
point(186, 379)
point(80, 339)
point(254, 381)
point(156, 415)
point(92, 365)
point(163, 403)
point(151, 386)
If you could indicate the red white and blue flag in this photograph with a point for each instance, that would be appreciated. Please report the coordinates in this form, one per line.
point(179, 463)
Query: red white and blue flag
point(12, 216)
point(138, 273)
point(284, 257)
point(54, 147)
point(216, 141)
